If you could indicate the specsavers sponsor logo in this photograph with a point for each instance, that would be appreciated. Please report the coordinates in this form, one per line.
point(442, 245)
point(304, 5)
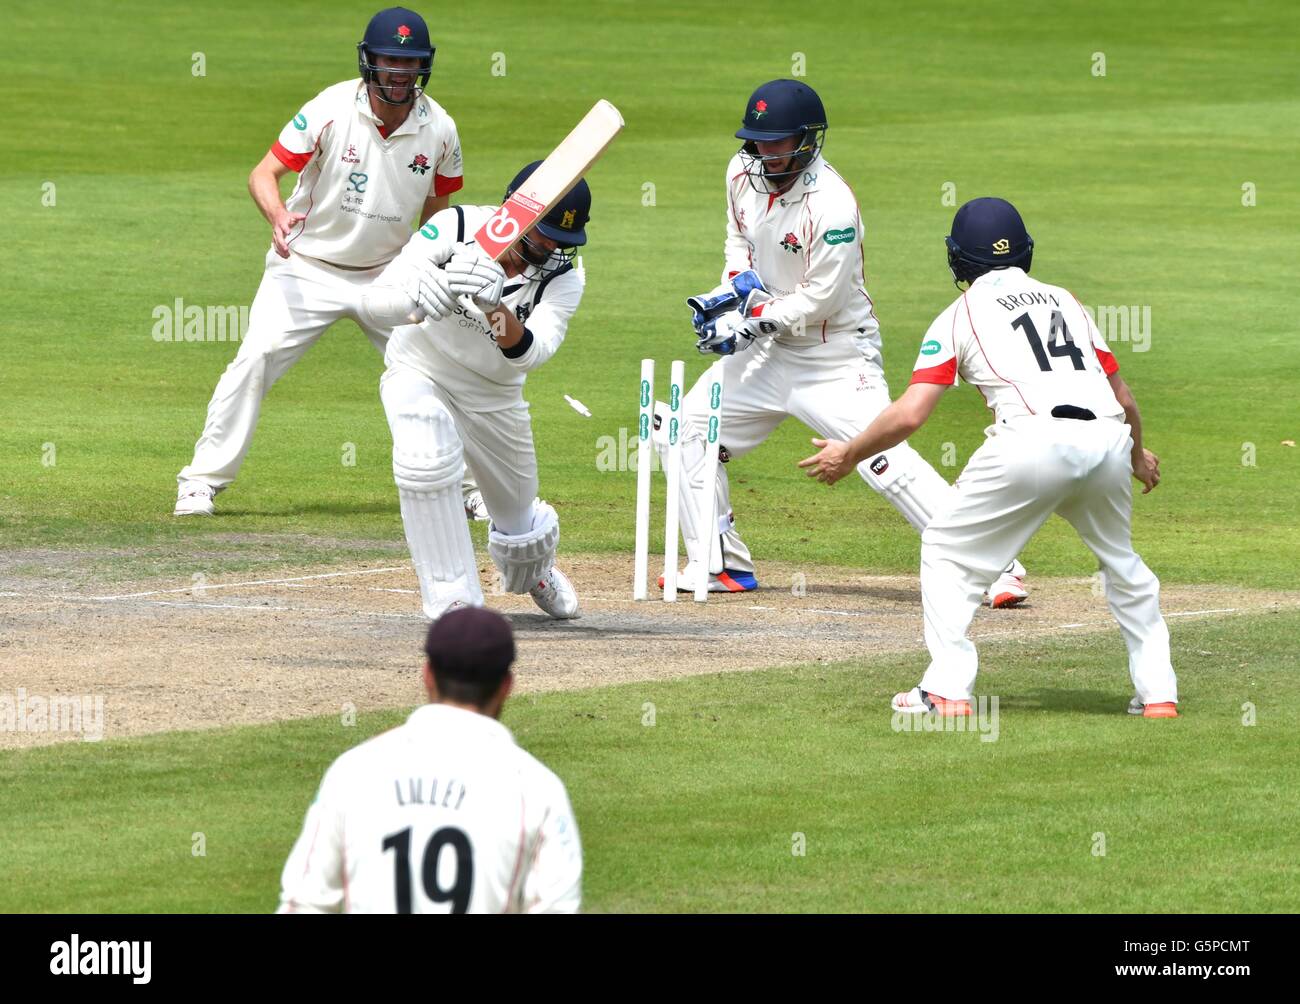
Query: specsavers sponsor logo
point(930, 348)
point(844, 236)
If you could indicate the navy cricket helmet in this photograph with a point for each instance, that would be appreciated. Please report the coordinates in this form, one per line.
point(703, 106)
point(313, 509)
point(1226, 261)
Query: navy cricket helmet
point(566, 224)
point(987, 234)
point(395, 31)
point(778, 109)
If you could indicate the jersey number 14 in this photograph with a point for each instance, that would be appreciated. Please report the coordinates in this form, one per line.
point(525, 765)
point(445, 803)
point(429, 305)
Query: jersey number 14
point(1059, 342)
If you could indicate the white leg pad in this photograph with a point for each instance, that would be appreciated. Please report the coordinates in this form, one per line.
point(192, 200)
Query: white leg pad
point(428, 463)
point(524, 559)
point(910, 484)
point(726, 549)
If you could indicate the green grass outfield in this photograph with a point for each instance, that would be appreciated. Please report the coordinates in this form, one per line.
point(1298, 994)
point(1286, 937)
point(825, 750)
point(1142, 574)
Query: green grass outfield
point(701, 811)
point(1131, 184)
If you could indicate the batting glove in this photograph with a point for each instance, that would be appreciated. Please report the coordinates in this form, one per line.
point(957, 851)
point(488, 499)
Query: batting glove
point(472, 273)
point(427, 285)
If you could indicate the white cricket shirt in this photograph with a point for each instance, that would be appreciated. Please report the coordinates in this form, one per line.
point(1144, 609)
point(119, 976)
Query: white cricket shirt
point(1026, 345)
point(362, 190)
point(806, 246)
point(460, 351)
point(443, 814)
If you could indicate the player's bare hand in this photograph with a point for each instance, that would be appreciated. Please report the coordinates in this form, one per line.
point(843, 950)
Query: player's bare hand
point(831, 464)
point(281, 227)
point(1146, 468)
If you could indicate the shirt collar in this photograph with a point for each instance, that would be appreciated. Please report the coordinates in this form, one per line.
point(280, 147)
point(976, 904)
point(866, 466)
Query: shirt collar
point(420, 115)
point(996, 275)
point(805, 183)
point(444, 717)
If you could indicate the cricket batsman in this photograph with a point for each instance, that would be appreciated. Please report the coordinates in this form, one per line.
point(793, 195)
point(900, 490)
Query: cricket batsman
point(1067, 435)
point(798, 333)
point(443, 814)
point(373, 156)
point(453, 393)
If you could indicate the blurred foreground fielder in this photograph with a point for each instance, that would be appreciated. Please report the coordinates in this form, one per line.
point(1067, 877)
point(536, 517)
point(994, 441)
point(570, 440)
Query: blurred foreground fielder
point(374, 155)
point(444, 814)
point(1066, 437)
point(794, 302)
point(453, 394)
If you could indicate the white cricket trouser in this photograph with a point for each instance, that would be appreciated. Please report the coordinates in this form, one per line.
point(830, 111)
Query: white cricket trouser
point(1027, 470)
point(297, 300)
point(427, 421)
point(829, 387)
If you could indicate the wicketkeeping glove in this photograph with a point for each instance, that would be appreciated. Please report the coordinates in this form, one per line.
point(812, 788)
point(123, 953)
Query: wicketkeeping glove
point(472, 273)
point(727, 297)
point(735, 331)
point(726, 335)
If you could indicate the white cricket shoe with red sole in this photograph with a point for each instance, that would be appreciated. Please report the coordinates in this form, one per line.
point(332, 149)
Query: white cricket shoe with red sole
point(1165, 709)
point(917, 702)
point(1008, 589)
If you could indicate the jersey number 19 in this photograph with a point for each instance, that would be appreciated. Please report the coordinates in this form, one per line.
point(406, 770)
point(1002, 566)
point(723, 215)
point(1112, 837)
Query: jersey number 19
point(457, 893)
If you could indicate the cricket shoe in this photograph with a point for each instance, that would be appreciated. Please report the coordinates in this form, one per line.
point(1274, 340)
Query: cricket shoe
point(916, 701)
point(1165, 709)
point(555, 595)
point(1008, 589)
point(475, 507)
point(194, 499)
point(729, 580)
point(442, 611)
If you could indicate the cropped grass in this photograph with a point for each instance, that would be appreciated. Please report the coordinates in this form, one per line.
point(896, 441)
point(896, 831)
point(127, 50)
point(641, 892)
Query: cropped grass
point(781, 790)
point(1132, 183)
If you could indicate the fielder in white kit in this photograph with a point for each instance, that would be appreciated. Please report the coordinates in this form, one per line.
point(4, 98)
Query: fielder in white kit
point(443, 814)
point(1067, 435)
point(453, 394)
point(808, 333)
point(375, 155)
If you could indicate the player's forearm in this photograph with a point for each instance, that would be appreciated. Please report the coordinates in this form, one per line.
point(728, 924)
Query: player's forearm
point(434, 204)
point(736, 257)
point(1131, 413)
point(891, 427)
point(264, 187)
point(806, 308)
point(506, 328)
point(388, 307)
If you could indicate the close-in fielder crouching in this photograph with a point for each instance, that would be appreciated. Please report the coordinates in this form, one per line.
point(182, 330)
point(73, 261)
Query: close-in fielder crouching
point(1066, 438)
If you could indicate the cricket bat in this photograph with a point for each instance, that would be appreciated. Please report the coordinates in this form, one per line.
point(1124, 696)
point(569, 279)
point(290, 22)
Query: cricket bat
point(552, 181)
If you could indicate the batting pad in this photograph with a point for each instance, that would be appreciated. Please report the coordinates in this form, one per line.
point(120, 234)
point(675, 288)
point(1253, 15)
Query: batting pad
point(525, 558)
point(428, 465)
point(910, 484)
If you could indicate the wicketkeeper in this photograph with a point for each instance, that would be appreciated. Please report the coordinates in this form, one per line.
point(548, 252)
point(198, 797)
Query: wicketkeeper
point(797, 331)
